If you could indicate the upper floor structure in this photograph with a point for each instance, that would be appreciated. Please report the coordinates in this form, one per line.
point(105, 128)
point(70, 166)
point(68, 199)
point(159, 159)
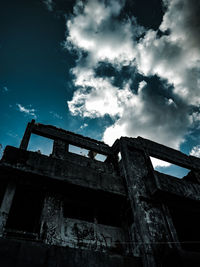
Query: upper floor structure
point(109, 207)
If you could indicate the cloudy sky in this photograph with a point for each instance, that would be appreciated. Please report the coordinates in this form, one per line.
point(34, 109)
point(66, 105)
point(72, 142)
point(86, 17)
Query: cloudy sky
point(103, 69)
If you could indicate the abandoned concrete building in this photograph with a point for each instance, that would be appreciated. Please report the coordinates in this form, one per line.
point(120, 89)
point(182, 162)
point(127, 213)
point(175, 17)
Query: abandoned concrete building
point(109, 208)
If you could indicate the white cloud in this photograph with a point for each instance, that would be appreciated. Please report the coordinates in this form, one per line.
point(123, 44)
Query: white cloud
point(98, 101)
point(56, 115)
point(27, 111)
point(159, 163)
point(175, 57)
point(84, 126)
point(150, 118)
point(95, 29)
point(49, 4)
point(195, 151)
point(13, 135)
point(160, 114)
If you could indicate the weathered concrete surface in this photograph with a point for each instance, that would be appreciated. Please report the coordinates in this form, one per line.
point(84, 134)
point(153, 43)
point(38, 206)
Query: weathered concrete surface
point(74, 169)
point(148, 216)
point(179, 187)
point(167, 154)
point(23, 254)
point(66, 136)
point(51, 220)
point(97, 237)
point(147, 229)
point(6, 205)
point(74, 233)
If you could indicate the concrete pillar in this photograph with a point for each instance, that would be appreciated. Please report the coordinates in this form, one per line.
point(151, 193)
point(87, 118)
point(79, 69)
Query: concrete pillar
point(27, 135)
point(6, 205)
point(60, 148)
point(152, 235)
point(51, 220)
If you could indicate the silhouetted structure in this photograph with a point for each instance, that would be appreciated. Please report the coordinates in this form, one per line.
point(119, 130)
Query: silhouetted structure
point(107, 209)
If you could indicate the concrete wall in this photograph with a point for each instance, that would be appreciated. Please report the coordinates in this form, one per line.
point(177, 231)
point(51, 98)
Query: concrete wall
point(74, 169)
point(23, 254)
point(74, 233)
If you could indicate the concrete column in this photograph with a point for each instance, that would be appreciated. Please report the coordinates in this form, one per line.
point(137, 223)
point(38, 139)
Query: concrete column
point(27, 135)
point(6, 205)
point(51, 220)
point(60, 148)
point(152, 236)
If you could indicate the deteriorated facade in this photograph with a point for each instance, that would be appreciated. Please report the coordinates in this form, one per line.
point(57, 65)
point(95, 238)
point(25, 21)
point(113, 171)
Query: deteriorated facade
point(71, 210)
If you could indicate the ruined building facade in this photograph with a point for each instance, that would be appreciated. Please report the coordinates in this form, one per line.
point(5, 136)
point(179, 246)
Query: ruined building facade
point(72, 210)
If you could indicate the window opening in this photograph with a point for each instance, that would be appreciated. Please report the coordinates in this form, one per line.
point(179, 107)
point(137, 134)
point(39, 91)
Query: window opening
point(100, 157)
point(78, 210)
point(92, 206)
point(25, 211)
point(87, 153)
point(40, 144)
point(78, 150)
point(168, 168)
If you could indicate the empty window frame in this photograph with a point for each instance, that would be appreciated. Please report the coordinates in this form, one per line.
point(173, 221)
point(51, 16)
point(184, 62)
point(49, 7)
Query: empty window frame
point(40, 144)
point(93, 206)
point(87, 153)
point(24, 215)
point(168, 168)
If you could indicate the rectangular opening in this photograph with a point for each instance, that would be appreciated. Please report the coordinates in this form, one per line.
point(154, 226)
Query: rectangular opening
point(100, 157)
point(168, 168)
point(186, 222)
point(78, 210)
point(40, 144)
point(78, 150)
point(24, 215)
point(93, 206)
point(87, 153)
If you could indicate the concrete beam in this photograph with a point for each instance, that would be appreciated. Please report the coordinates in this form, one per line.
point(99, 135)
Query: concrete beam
point(166, 153)
point(71, 138)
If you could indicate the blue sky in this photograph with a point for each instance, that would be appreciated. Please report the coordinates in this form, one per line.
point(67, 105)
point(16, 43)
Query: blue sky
point(103, 69)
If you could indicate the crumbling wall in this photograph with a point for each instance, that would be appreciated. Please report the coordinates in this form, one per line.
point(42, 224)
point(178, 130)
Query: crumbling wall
point(68, 232)
point(82, 234)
